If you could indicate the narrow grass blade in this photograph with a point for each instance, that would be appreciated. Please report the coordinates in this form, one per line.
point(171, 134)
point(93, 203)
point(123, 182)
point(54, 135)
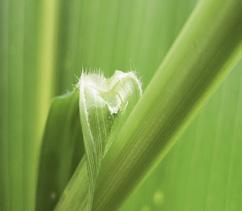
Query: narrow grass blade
point(4, 161)
point(62, 150)
point(25, 93)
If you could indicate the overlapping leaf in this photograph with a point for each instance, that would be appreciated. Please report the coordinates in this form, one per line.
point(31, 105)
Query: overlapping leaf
point(103, 106)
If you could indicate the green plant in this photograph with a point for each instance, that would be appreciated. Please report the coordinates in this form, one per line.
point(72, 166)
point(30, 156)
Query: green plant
point(206, 49)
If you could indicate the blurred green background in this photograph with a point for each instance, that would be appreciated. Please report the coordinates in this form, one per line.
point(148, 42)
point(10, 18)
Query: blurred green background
point(44, 46)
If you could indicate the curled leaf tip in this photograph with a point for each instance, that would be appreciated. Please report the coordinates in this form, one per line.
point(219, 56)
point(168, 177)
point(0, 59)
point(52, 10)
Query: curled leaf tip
point(103, 103)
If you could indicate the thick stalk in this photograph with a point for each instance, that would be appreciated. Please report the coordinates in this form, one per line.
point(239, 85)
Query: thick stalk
point(201, 57)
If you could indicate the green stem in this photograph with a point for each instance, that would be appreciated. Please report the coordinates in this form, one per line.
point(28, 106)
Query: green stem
point(201, 57)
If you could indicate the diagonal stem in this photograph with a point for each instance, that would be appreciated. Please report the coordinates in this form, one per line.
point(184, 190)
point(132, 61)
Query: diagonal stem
point(203, 54)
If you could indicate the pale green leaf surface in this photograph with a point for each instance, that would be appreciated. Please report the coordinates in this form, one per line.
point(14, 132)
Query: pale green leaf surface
point(203, 171)
point(24, 99)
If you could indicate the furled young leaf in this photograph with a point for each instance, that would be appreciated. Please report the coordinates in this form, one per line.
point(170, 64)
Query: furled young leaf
point(103, 105)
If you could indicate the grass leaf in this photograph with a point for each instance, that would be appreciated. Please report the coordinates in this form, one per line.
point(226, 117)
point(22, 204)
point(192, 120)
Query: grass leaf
point(63, 136)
